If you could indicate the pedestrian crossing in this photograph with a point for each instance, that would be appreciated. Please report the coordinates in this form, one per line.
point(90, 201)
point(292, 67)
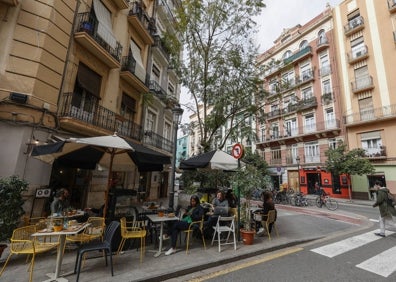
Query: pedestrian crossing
point(379, 264)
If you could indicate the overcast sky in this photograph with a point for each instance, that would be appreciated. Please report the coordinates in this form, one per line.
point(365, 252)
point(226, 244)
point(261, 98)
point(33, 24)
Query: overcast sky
point(277, 15)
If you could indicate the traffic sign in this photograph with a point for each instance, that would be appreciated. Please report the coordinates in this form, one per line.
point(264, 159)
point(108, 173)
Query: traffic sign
point(237, 151)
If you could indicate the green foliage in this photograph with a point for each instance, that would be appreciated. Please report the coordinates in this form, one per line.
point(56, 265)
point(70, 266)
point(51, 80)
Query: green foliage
point(11, 210)
point(219, 70)
point(352, 162)
point(246, 180)
point(208, 179)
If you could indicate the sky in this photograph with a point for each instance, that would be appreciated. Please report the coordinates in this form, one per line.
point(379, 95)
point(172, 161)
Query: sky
point(277, 15)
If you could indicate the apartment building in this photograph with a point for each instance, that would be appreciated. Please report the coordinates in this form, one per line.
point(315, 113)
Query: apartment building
point(303, 108)
point(365, 35)
point(86, 68)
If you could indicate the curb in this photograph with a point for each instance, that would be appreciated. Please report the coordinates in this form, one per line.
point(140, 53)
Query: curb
point(196, 268)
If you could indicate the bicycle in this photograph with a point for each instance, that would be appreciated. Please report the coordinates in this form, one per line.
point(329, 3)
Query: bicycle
point(325, 199)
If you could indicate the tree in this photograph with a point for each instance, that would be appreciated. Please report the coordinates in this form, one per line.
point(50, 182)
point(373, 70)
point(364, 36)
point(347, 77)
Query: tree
point(218, 69)
point(353, 162)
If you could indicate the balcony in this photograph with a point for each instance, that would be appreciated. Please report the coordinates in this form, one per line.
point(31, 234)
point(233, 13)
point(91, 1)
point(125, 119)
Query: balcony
point(392, 6)
point(307, 104)
point(306, 77)
point(159, 44)
point(153, 139)
point(362, 84)
point(301, 54)
point(141, 22)
point(376, 153)
point(327, 98)
point(85, 119)
point(357, 56)
point(312, 159)
point(165, 10)
point(354, 26)
point(158, 90)
point(132, 75)
point(104, 49)
point(322, 44)
point(369, 115)
point(325, 70)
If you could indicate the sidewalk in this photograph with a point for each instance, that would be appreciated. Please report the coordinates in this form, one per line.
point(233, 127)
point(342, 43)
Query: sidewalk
point(128, 268)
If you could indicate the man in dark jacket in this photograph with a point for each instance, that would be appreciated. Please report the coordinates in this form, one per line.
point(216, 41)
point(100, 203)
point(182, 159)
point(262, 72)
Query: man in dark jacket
point(386, 210)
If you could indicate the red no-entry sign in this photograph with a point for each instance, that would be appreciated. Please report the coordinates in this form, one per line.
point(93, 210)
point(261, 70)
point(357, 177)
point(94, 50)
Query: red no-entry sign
point(237, 151)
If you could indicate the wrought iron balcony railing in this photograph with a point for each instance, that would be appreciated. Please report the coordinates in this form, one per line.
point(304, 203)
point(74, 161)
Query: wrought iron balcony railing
point(87, 22)
point(157, 141)
point(99, 116)
point(371, 114)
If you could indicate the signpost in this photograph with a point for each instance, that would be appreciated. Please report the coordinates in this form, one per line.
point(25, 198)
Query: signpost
point(237, 152)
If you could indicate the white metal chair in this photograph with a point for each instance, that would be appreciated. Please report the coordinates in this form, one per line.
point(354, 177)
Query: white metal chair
point(225, 224)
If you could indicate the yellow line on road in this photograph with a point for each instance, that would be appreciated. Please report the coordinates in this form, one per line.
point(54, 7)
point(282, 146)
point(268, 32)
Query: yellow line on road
point(246, 264)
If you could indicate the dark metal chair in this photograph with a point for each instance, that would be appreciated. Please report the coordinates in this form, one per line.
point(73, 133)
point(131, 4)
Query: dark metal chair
point(98, 246)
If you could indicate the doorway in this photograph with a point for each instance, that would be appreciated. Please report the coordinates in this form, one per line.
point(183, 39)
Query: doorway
point(312, 178)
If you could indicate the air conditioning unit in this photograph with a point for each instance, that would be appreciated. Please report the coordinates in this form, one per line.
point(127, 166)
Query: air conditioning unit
point(43, 193)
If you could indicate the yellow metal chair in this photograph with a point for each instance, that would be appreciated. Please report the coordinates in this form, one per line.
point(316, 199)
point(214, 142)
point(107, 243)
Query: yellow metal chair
point(271, 219)
point(133, 230)
point(93, 231)
point(23, 243)
point(194, 226)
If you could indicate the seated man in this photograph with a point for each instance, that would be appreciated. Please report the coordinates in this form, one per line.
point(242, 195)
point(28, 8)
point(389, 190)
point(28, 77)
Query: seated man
point(220, 208)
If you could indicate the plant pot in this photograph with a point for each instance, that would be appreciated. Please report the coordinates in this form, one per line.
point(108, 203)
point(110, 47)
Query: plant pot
point(247, 236)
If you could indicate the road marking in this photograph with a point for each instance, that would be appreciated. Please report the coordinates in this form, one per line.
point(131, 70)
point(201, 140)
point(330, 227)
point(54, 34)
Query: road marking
point(374, 220)
point(382, 264)
point(246, 264)
point(348, 244)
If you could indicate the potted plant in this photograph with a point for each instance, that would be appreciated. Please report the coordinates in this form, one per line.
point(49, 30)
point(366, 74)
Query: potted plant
point(247, 179)
point(11, 210)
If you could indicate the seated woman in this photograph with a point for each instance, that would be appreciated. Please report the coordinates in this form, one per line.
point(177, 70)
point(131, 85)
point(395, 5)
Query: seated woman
point(268, 205)
point(194, 212)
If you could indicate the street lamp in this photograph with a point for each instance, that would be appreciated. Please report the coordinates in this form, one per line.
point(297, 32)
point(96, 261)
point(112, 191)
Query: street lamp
point(177, 112)
point(298, 171)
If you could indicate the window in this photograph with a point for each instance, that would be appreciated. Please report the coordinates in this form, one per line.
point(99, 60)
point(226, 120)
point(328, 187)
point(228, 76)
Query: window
point(312, 152)
point(324, 64)
point(330, 118)
point(309, 121)
point(167, 131)
point(305, 71)
point(262, 133)
point(151, 121)
point(171, 89)
point(275, 131)
point(362, 78)
point(288, 78)
point(358, 48)
point(322, 37)
point(140, 71)
point(372, 143)
point(354, 19)
point(366, 108)
point(273, 87)
point(291, 127)
point(326, 87)
point(128, 111)
point(333, 143)
point(287, 54)
point(86, 93)
point(156, 73)
point(303, 44)
point(276, 156)
point(306, 93)
point(105, 28)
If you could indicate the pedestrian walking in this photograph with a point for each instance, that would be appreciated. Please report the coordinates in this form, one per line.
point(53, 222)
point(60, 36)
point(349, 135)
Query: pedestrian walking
point(386, 210)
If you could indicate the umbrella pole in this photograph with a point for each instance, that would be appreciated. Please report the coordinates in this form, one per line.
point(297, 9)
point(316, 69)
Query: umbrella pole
point(109, 182)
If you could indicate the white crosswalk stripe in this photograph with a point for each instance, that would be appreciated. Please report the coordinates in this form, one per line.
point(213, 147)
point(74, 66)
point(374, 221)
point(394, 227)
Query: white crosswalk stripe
point(381, 264)
point(347, 245)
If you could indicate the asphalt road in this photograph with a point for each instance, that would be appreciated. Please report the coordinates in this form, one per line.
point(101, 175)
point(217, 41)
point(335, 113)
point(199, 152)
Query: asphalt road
point(348, 253)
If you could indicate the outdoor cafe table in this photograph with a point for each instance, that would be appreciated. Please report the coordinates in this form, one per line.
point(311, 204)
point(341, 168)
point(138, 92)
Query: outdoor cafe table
point(160, 219)
point(62, 240)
